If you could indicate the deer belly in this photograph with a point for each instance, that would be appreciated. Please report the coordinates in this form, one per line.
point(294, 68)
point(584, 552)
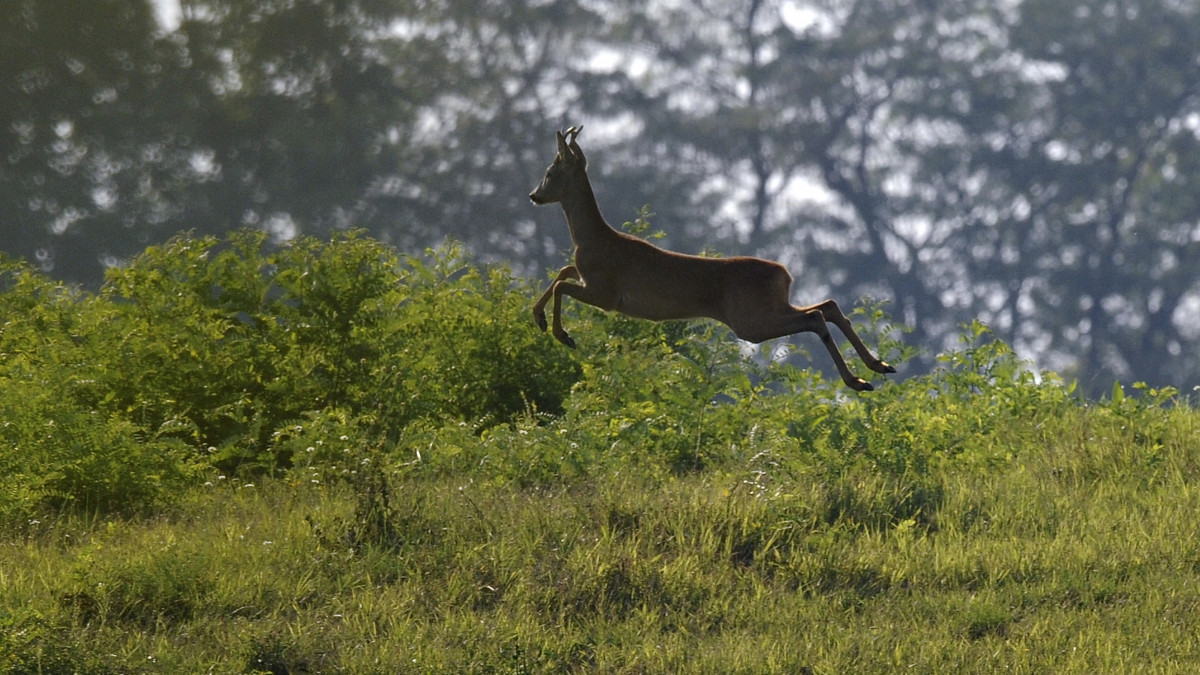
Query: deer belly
point(658, 306)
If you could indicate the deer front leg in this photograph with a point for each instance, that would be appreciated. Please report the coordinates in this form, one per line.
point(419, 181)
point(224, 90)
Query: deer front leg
point(539, 307)
point(591, 295)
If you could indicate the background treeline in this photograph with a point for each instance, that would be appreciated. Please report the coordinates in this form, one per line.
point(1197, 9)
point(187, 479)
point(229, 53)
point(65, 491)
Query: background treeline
point(1030, 164)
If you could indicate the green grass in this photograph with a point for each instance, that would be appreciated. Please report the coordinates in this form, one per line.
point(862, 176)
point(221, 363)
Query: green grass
point(1079, 557)
point(328, 460)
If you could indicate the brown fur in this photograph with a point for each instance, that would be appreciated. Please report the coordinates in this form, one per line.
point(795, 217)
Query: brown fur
point(619, 272)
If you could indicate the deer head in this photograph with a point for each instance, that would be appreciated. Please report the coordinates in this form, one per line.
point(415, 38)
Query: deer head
point(567, 165)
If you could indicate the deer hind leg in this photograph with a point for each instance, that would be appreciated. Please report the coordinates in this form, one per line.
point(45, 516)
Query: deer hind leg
point(804, 320)
point(833, 314)
point(793, 320)
point(539, 307)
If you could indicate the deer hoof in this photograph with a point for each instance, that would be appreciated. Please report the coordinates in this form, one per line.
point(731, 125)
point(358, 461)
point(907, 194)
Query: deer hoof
point(863, 385)
point(566, 340)
point(540, 319)
point(885, 367)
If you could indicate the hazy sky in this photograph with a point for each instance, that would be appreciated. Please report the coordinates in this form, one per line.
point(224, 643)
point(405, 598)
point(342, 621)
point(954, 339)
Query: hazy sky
point(168, 12)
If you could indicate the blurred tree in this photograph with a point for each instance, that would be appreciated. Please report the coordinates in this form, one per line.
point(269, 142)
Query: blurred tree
point(308, 111)
point(874, 83)
point(1012, 162)
point(504, 75)
point(83, 148)
point(823, 132)
point(1028, 163)
point(1112, 244)
point(250, 113)
point(705, 152)
point(415, 120)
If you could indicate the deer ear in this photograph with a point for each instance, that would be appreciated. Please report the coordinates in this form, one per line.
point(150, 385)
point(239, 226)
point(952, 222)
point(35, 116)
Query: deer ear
point(572, 134)
point(563, 150)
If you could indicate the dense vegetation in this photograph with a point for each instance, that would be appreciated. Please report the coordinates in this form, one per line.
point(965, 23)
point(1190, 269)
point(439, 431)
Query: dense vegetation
point(325, 457)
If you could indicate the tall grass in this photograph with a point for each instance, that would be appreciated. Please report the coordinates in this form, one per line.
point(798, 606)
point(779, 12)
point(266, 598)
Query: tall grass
point(656, 502)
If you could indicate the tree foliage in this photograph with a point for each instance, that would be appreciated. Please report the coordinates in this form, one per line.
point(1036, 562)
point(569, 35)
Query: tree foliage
point(1028, 164)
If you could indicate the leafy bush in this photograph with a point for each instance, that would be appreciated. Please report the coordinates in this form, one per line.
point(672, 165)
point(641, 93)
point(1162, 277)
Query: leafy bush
point(59, 455)
point(32, 643)
point(254, 340)
point(319, 355)
point(59, 449)
point(207, 353)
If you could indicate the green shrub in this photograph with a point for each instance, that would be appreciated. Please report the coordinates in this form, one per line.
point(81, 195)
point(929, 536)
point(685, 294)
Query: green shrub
point(208, 353)
point(31, 643)
point(164, 584)
point(58, 455)
point(236, 355)
point(239, 342)
point(462, 347)
point(58, 448)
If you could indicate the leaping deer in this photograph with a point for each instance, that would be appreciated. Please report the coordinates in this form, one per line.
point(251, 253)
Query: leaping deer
point(617, 271)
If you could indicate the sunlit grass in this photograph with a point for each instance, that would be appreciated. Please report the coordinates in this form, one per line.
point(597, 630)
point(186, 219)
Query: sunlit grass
point(1067, 560)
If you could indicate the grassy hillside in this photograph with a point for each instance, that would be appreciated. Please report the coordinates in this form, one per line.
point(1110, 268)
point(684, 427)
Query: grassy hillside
point(330, 459)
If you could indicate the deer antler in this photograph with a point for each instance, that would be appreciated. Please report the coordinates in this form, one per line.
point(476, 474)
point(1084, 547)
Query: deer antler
point(568, 148)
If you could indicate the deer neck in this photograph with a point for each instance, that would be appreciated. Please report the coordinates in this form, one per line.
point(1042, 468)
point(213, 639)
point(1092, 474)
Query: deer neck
point(584, 219)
